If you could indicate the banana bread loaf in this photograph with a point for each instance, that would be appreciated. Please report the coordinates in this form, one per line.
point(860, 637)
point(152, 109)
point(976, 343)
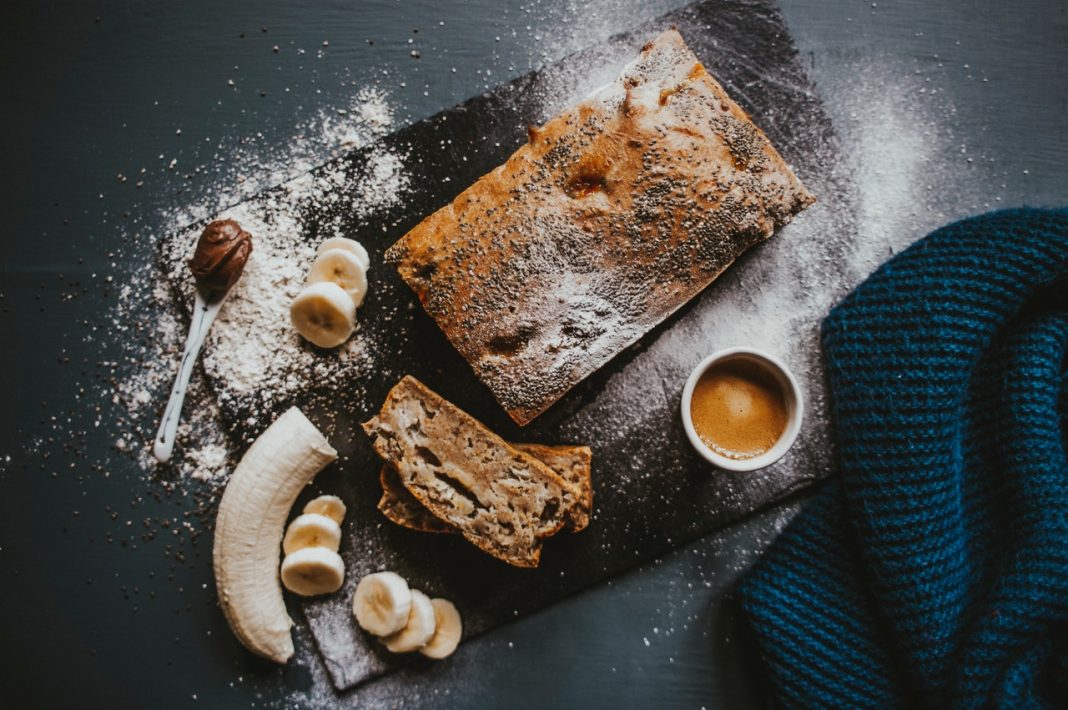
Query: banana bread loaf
point(613, 215)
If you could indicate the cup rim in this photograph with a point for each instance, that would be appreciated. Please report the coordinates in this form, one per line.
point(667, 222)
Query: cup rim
point(786, 440)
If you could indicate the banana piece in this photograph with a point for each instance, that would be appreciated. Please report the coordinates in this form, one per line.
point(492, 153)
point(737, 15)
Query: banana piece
point(248, 530)
point(382, 603)
point(349, 245)
point(311, 530)
point(449, 629)
point(324, 314)
point(330, 506)
point(311, 571)
point(343, 268)
point(422, 622)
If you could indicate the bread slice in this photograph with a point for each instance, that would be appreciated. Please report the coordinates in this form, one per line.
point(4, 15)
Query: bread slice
point(571, 462)
point(613, 215)
point(403, 508)
point(573, 465)
point(502, 500)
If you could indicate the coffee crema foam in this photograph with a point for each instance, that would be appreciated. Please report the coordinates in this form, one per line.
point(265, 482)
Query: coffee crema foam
point(739, 409)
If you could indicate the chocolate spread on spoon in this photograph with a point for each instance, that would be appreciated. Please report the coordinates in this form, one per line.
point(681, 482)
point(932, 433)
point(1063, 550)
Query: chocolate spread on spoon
point(220, 256)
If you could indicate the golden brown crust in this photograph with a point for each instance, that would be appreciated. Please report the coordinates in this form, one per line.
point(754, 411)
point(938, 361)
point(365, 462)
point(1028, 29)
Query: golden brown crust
point(571, 462)
point(614, 214)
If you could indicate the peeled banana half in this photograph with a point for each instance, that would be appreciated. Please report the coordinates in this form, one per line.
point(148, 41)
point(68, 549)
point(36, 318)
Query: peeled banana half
point(248, 531)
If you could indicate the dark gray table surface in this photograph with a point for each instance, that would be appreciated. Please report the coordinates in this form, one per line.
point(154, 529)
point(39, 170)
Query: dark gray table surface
point(943, 110)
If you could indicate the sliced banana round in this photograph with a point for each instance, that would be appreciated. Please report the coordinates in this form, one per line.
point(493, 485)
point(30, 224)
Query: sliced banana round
point(343, 268)
point(350, 245)
point(449, 629)
point(312, 571)
point(311, 530)
point(420, 627)
point(324, 314)
point(382, 603)
point(330, 506)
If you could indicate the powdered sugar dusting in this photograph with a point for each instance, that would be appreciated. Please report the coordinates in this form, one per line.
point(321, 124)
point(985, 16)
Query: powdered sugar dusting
point(209, 461)
point(245, 166)
point(251, 346)
point(896, 129)
point(253, 354)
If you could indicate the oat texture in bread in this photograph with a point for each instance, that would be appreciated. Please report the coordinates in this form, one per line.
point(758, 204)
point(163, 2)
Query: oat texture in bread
point(571, 462)
point(613, 215)
point(403, 508)
point(502, 500)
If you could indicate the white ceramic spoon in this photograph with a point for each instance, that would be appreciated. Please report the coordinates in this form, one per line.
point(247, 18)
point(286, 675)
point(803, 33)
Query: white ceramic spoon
point(203, 315)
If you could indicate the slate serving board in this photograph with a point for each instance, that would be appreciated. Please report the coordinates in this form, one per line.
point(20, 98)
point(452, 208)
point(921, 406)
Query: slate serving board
point(652, 493)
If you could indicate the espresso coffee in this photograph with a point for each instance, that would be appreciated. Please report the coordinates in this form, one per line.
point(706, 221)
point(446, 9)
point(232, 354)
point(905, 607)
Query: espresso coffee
point(738, 408)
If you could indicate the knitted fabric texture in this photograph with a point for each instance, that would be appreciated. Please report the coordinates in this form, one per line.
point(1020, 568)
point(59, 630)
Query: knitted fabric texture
point(933, 570)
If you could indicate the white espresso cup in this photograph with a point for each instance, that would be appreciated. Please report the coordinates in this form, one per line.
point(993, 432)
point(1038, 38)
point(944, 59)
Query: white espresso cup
point(794, 409)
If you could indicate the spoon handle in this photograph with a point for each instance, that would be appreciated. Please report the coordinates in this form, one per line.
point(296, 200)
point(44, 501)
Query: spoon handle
point(203, 315)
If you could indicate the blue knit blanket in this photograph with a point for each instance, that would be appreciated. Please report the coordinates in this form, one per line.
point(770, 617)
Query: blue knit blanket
point(933, 570)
